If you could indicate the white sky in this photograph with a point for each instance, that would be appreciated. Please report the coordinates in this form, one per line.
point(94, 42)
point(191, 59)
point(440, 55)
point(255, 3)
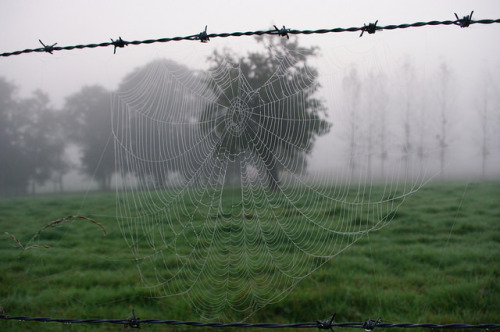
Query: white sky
point(23, 22)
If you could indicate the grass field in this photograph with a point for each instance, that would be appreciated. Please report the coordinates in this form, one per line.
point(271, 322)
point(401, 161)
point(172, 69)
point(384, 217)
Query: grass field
point(437, 262)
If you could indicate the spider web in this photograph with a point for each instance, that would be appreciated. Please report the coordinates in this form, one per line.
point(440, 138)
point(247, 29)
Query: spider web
point(196, 202)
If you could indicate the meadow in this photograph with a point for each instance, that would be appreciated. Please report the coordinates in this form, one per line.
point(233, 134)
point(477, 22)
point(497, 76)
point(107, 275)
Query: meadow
point(438, 261)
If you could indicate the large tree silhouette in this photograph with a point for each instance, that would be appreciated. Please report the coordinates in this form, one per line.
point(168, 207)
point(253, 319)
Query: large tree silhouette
point(42, 133)
point(266, 106)
point(13, 179)
point(155, 114)
point(31, 145)
point(88, 116)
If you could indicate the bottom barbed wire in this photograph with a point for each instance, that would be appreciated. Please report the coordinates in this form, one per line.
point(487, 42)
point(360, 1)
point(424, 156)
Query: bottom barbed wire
point(136, 322)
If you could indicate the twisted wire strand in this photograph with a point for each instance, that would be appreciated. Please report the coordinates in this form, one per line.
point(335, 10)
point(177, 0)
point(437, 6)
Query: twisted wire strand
point(205, 37)
point(136, 322)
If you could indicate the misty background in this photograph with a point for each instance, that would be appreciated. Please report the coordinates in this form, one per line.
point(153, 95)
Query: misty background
point(424, 98)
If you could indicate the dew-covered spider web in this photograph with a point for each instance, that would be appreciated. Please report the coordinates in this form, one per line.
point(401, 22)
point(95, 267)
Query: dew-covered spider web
point(217, 200)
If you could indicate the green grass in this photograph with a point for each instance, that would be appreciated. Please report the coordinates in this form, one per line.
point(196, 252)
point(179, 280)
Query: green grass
point(438, 261)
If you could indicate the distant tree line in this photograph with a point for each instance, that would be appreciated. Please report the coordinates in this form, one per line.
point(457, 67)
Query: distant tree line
point(416, 124)
point(34, 135)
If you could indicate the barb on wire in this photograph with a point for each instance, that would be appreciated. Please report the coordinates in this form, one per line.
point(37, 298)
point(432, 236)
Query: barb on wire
point(134, 322)
point(204, 36)
point(118, 43)
point(283, 32)
point(327, 324)
point(370, 28)
point(47, 48)
point(465, 21)
point(369, 325)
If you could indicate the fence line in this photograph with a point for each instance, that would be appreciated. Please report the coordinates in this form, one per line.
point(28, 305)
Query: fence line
point(368, 325)
point(204, 36)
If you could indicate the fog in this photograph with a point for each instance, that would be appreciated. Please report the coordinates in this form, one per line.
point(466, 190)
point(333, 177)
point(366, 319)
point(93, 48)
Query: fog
point(438, 87)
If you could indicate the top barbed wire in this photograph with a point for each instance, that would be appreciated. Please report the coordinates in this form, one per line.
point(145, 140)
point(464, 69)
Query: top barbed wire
point(204, 36)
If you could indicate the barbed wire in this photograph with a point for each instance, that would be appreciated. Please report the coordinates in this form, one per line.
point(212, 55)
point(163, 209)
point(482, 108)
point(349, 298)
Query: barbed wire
point(204, 36)
point(368, 325)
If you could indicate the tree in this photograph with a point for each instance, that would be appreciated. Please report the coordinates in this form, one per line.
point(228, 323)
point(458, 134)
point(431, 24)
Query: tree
point(13, 179)
point(265, 107)
point(374, 120)
point(88, 115)
point(486, 119)
point(422, 125)
point(41, 131)
point(444, 86)
point(155, 115)
point(408, 72)
point(352, 90)
point(31, 149)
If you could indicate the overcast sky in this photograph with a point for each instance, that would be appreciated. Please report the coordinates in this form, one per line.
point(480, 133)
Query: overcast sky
point(23, 22)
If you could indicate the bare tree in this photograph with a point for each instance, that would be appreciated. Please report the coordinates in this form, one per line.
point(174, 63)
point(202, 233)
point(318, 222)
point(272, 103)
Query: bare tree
point(422, 126)
point(408, 93)
point(352, 91)
point(371, 107)
point(444, 78)
point(486, 121)
point(375, 130)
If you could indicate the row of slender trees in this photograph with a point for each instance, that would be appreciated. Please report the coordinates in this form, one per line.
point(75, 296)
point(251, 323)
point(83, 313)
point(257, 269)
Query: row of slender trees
point(418, 119)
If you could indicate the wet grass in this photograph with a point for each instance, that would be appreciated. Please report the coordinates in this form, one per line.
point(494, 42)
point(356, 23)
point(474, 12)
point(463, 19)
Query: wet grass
point(437, 262)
